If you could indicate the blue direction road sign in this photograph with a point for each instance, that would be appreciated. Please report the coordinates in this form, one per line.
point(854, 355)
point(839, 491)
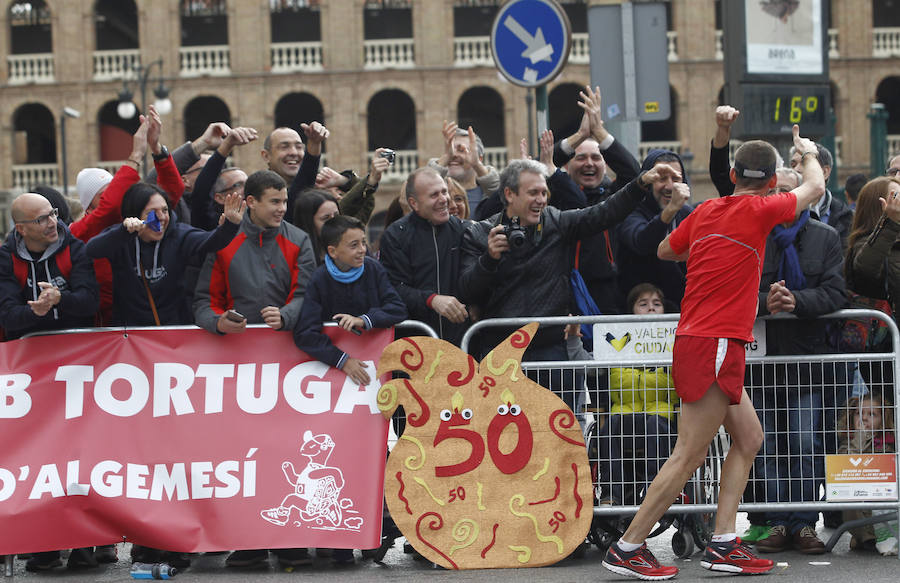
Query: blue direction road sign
point(530, 41)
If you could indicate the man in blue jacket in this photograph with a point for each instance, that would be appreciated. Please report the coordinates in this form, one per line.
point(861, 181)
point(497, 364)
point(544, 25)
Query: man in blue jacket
point(641, 232)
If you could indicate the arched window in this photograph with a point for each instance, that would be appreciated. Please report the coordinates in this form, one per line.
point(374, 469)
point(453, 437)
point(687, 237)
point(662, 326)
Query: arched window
point(888, 93)
point(482, 108)
point(392, 124)
point(115, 133)
point(295, 21)
point(565, 115)
point(296, 108)
point(35, 135)
point(116, 25)
point(392, 120)
point(202, 111)
point(664, 130)
point(204, 22)
point(576, 10)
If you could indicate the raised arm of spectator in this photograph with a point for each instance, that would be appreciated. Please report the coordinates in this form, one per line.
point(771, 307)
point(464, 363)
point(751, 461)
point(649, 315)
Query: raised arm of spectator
point(564, 193)
point(564, 150)
point(202, 215)
point(108, 211)
point(316, 134)
point(359, 202)
point(187, 154)
point(169, 177)
point(719, 165)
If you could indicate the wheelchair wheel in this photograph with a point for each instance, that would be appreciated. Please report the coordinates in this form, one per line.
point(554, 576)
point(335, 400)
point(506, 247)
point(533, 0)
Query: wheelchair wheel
point(682, 544)
point(706, 489)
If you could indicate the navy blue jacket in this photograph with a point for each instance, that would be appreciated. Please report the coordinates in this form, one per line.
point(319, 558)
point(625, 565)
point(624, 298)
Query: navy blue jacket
point(79, 291)
point(164, 263)
point(371, 297)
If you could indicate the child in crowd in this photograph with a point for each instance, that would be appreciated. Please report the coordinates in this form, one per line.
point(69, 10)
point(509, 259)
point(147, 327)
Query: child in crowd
point(866, 426)
point(640, 431)
point(354, 291)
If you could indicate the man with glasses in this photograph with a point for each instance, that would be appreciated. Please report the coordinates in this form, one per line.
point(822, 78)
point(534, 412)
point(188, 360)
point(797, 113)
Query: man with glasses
point(828, 209)
point(46, 283)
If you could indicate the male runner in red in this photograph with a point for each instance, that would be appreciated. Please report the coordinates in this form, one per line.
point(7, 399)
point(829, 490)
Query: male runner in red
point(723, 241)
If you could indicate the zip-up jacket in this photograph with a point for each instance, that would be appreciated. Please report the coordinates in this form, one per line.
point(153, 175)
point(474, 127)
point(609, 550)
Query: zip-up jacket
point(533, 280)
point(64, 264)
point(422, 260)
point(371, 297)
point(260, 267)
point(162, 263)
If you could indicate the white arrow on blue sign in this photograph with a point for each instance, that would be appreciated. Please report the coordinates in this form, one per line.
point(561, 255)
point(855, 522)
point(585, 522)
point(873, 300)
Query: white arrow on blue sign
point(530, 41)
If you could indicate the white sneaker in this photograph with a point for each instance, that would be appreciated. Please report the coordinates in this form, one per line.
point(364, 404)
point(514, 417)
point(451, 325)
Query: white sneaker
point(888, 547)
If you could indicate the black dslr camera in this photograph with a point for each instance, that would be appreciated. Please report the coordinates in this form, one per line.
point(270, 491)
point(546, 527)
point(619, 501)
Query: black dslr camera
point(515, 233)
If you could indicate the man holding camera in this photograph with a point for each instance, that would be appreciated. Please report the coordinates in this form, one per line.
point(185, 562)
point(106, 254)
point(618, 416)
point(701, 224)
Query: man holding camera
point(516, 264)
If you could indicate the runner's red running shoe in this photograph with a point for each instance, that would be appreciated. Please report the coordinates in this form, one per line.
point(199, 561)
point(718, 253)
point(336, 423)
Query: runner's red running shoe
point(734, 557)
point(639, 564)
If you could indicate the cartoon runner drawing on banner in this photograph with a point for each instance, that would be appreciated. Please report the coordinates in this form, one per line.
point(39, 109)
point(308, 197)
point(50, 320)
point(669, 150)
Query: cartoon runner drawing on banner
point(317, 488)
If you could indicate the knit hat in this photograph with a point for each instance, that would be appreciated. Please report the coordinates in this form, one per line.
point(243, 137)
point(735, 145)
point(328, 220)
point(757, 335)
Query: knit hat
point(89, 183)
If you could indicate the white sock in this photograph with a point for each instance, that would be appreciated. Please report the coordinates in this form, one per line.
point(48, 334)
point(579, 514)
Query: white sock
point(724, 538)
point(628, 547)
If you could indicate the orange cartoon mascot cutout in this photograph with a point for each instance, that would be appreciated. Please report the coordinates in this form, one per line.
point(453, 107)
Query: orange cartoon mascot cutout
point(491, 470)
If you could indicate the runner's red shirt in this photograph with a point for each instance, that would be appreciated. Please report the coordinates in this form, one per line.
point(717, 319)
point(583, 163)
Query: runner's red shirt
point(727, 242)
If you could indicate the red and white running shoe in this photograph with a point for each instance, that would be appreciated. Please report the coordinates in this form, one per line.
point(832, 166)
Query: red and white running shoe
point(638, 564)
point(734, 557)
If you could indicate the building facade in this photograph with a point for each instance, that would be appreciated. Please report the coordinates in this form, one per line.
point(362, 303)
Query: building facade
point(378, 73)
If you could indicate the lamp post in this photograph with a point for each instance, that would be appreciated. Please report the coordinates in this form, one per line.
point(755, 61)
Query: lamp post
point(67, 112)
point(126, 108)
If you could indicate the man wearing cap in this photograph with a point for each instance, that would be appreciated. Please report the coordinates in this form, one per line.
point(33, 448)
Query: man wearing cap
point(723, 243)
point(90, 184)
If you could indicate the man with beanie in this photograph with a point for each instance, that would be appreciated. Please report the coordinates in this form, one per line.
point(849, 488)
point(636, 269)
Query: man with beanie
point(641, 232)
point(90, 184)
point(802, 274)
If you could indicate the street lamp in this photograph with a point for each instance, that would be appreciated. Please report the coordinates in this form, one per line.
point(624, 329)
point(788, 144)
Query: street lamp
point(66, 113)
point(126, 108)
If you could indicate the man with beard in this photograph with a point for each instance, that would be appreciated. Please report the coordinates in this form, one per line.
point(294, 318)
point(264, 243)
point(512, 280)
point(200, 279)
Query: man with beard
point(462, 160)
point(641, 232)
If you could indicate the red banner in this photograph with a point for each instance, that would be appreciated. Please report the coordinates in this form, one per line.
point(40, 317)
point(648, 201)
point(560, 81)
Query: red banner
point(182, 440)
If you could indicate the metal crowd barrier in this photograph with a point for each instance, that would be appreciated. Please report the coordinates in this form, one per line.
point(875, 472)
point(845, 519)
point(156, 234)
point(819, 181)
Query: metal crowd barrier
point(810, 388)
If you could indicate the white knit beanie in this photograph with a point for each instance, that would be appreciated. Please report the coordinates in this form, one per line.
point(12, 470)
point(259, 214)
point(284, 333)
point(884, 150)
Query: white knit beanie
point(89, 182)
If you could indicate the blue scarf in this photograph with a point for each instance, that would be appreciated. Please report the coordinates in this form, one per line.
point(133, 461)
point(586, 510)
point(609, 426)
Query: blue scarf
point(790, 270)
point(348, 276)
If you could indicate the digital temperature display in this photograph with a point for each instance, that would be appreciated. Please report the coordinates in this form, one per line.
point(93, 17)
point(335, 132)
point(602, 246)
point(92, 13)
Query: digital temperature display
point(772, 109)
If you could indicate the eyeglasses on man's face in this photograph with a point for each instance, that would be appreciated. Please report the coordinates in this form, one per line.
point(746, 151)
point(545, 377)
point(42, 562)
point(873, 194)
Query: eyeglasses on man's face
point(892, 171)
point(41, 220)
point(239, 185)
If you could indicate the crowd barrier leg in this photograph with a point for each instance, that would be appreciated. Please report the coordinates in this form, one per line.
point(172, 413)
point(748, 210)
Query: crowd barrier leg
point(8, 566)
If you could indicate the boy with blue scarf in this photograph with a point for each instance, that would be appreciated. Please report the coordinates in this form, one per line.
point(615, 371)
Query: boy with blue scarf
point(348, 283)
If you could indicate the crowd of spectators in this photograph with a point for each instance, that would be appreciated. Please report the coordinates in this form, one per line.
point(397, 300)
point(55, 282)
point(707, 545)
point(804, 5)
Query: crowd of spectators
point(221, 247)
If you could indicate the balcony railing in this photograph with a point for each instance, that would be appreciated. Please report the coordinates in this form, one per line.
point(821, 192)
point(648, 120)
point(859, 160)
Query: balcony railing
point(580, 54)
point(720, 51)
point(893, 141)
point(205, 60)
point(495, 157)
point(25, 176)
point(672, 45)
point(392, 53)
point(405, 161)
point(291, 57)
point(833, 51)
point(30, 68)
point(647, 146)
point(472, 51)
point(113, 65)
point(885, 42)
point(111, 166)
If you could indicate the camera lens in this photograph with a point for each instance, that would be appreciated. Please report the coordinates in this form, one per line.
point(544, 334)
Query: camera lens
point(516, 238)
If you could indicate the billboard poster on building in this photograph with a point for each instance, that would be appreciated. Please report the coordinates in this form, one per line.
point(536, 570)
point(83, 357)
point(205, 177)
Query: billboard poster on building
point(784, 37)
